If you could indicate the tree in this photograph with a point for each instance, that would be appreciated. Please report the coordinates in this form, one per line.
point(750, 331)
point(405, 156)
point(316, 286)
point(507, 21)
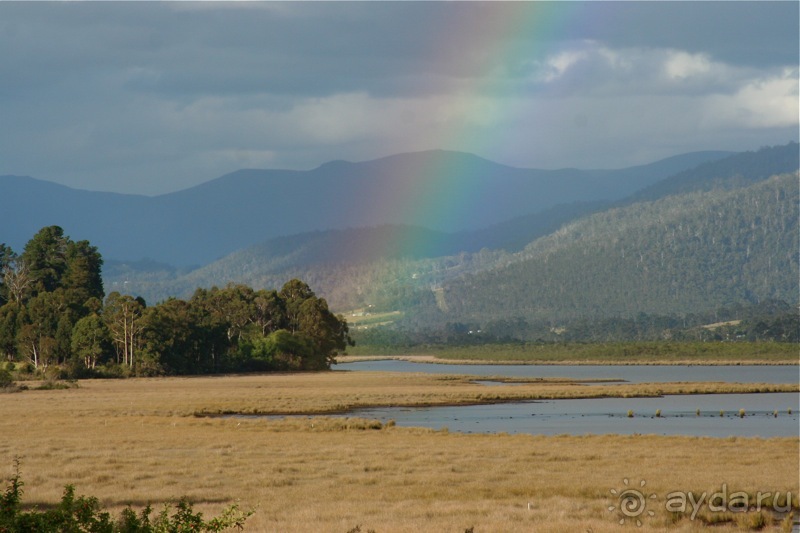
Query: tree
point(174, 340)
point(40, 326)
point(294, 293)
point(231, 306)
point(82, 279)
point(9, 315)
point(46, 258)
point(7, 256)
point(212, 327)
point(270, 311)
point(286, 350)
point(16, 279)
point(36, 346)
point(90, 340)
point(122, 315)
point(44, 292)
point(328, 333)
point(63, 337)
point(309, 317)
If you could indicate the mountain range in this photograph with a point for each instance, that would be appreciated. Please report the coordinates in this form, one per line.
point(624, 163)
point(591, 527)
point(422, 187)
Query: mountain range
point(198, 225)
point(682, 235)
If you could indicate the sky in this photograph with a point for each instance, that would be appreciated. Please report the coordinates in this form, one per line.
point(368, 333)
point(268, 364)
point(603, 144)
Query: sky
point(155, 97)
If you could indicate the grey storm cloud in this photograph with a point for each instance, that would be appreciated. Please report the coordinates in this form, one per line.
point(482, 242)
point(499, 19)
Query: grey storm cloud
point(151, 97)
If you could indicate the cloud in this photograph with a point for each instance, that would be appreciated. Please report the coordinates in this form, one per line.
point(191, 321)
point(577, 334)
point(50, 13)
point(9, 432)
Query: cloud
point(760, 103)
point(682, 65)
point(153, 97)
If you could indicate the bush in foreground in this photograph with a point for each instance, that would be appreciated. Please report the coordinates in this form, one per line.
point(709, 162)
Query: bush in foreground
point(84, 514)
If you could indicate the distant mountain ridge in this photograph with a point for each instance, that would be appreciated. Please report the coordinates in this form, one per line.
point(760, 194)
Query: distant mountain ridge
point(201, 224)
point(359, 266)
point(738, 170)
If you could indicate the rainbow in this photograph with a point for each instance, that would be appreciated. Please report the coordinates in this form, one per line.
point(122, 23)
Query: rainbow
point(487, 49)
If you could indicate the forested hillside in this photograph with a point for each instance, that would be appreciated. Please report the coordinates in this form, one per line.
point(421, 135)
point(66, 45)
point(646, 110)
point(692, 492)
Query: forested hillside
point(352, 268)
point(686, 253)
point(402, 267)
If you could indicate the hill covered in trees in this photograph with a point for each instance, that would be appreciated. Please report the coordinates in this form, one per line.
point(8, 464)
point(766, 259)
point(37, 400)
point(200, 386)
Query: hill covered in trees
point(571, 261)
point(686, 253)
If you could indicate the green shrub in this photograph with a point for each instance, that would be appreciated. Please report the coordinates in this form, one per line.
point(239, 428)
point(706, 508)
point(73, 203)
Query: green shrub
point(6, 380)
point(83, 513)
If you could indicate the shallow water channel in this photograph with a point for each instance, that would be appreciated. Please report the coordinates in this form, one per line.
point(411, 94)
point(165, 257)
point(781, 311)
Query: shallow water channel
point(630, 373)
point(719, 413)
point(610, 415)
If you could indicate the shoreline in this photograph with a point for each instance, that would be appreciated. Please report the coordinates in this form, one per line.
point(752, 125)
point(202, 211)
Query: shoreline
point(435, 360)
point(582, 391)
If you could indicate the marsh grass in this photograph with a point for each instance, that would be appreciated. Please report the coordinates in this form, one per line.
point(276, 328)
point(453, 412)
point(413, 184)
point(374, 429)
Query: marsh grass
point(57, 384)
point(135, 441)
point(337, 392)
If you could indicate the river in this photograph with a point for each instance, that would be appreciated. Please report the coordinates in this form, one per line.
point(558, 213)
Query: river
point(764, 414)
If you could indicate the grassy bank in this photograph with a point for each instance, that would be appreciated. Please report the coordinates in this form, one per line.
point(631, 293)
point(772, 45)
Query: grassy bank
point(327, 392)
point(604, 353)
point(136, 441)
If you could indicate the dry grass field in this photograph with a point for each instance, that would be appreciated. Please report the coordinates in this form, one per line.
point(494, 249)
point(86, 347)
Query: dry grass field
point(137, 441)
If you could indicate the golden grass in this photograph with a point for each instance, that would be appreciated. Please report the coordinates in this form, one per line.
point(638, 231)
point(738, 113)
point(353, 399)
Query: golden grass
point(135, 441)
point(327, 392)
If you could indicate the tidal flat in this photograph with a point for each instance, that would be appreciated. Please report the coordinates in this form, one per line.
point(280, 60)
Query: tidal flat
point(140, 441)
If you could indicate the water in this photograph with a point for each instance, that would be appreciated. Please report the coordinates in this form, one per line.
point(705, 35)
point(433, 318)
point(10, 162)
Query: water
point(630, 373)
point(610, 415)
point(607, 415)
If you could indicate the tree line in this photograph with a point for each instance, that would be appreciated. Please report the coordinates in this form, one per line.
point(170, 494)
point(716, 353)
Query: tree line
point(54, 314)
point(767, 321)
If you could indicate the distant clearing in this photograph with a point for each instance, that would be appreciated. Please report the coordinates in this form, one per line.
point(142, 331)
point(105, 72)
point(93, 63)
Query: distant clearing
point(717, 325)
point(362, 318)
